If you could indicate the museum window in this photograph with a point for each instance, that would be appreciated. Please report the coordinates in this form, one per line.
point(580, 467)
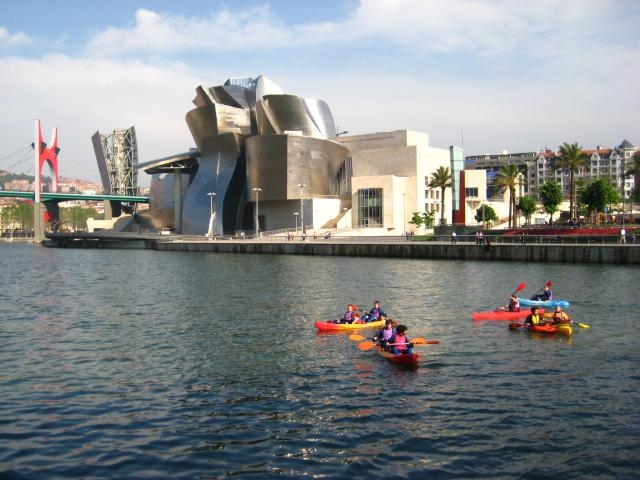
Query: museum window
point(370, 208)
point(471, 192)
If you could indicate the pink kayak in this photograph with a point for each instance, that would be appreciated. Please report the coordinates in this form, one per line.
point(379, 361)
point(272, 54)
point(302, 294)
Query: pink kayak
point(503, 315)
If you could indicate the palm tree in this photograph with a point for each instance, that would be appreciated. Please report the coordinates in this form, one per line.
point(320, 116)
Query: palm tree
point(441, 179)
point(572, 158)
point(506, 179)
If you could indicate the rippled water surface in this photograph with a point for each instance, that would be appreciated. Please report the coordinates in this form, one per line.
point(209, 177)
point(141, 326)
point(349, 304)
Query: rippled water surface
point(141, 364)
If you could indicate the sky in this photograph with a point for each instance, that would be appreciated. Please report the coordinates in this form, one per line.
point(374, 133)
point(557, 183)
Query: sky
point(487, 75)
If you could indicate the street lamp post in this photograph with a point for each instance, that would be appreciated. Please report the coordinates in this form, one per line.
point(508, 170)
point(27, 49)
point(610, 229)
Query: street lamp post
point(404, 197)
point(296, 215)
point(302, 185)
point(257, 190)
point(210, 230)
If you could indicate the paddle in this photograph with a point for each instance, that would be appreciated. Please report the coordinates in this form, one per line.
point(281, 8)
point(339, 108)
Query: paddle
point(518, 288)
point(415, 341)
point(522, 286)
point(549, 284)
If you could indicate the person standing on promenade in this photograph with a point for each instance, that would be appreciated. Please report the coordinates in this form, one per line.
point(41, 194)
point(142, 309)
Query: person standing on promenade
point(623, 236)
point(453, 237)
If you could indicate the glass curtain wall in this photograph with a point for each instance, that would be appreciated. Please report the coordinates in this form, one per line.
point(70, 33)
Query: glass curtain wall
point(370, 212)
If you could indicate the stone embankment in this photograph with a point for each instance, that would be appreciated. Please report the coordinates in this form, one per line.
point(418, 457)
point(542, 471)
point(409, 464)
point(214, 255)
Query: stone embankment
point(390, 247)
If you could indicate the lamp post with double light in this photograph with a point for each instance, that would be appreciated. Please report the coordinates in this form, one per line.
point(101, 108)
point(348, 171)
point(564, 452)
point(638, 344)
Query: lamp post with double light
point(302, 186)
point(257, 190)
point(210, 229)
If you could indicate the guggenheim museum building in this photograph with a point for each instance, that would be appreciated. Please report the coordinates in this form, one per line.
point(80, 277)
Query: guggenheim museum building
point(265, 156)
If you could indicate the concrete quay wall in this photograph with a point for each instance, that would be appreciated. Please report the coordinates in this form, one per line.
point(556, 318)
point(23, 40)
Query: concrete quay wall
point(562, 253)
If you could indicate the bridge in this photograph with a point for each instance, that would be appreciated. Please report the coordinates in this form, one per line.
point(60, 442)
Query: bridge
point(64, 197)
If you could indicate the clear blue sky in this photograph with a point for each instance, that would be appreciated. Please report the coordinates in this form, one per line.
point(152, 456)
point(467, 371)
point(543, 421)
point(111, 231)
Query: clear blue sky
point(498, 75)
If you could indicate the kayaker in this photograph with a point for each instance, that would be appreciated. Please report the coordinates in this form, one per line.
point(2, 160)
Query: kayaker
point(399, 342)
point(375, 313)
point(545, 295)
point(533, 318)
point(512, 306)
point(350, 316)
point(383, 335)
point(558, 317)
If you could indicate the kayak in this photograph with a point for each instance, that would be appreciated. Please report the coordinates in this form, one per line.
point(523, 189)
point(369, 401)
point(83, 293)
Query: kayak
point(329, 326)
point(546, 328)
point(502, 315)
point(551, 329)
point(400, 359)
point(525, 302)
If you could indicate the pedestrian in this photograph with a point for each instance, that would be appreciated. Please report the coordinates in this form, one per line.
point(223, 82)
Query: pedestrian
point(453, 237)
point(623, 236)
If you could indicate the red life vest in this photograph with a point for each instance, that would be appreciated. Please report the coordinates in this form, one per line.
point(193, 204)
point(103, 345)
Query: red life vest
point(402, 339)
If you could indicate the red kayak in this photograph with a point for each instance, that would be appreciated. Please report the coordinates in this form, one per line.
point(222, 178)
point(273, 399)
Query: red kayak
point(503, 315)
point(400, 359)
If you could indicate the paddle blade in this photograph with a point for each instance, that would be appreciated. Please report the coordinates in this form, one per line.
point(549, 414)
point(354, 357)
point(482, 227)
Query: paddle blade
point(522, 286)
point(423, 341)
point(584, 325)
point(514, 326)
point(366, 345)
point(355, 337)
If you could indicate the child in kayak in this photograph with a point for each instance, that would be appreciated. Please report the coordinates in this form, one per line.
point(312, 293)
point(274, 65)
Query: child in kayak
point(375, 313)
point(399, 342)
point(558, 317)
point(383, 335)
point(350, 316)
point(512, 306)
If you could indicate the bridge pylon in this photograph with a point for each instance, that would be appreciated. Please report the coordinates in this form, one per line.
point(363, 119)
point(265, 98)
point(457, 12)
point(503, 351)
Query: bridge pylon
point(43, 154)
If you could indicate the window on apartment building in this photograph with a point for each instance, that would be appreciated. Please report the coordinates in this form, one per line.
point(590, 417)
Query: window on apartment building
point(471, 192)
point(370, 212)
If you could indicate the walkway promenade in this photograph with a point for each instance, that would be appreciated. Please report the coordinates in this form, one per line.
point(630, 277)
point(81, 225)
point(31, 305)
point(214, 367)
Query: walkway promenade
point(393, 247)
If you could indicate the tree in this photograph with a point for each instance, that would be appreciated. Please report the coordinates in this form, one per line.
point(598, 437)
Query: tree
point(635, 172)
point(551, 197)
point(506, 179)
point(417, 219)
point(429, 218)
point(599, 195)
point(485, 214)
point(527, 205)
point(572, 158)
point(441, 178)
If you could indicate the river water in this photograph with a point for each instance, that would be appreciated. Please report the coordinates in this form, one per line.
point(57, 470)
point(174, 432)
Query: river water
point(142, 364)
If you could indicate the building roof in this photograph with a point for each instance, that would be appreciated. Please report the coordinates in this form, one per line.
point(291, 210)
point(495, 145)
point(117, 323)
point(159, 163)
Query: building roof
point(182, 161)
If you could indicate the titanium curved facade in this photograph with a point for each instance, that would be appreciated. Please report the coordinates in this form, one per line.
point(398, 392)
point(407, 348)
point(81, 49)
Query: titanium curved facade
point(248, 135)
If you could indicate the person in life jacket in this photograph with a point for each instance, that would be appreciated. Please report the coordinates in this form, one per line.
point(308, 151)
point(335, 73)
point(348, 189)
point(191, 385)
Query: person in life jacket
point(558, 316)
point(350, 316)
point(545, 295)
point(533, 318)
point(399, 342)
point(375, 313)
point(512, 306)
point(383, 335)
